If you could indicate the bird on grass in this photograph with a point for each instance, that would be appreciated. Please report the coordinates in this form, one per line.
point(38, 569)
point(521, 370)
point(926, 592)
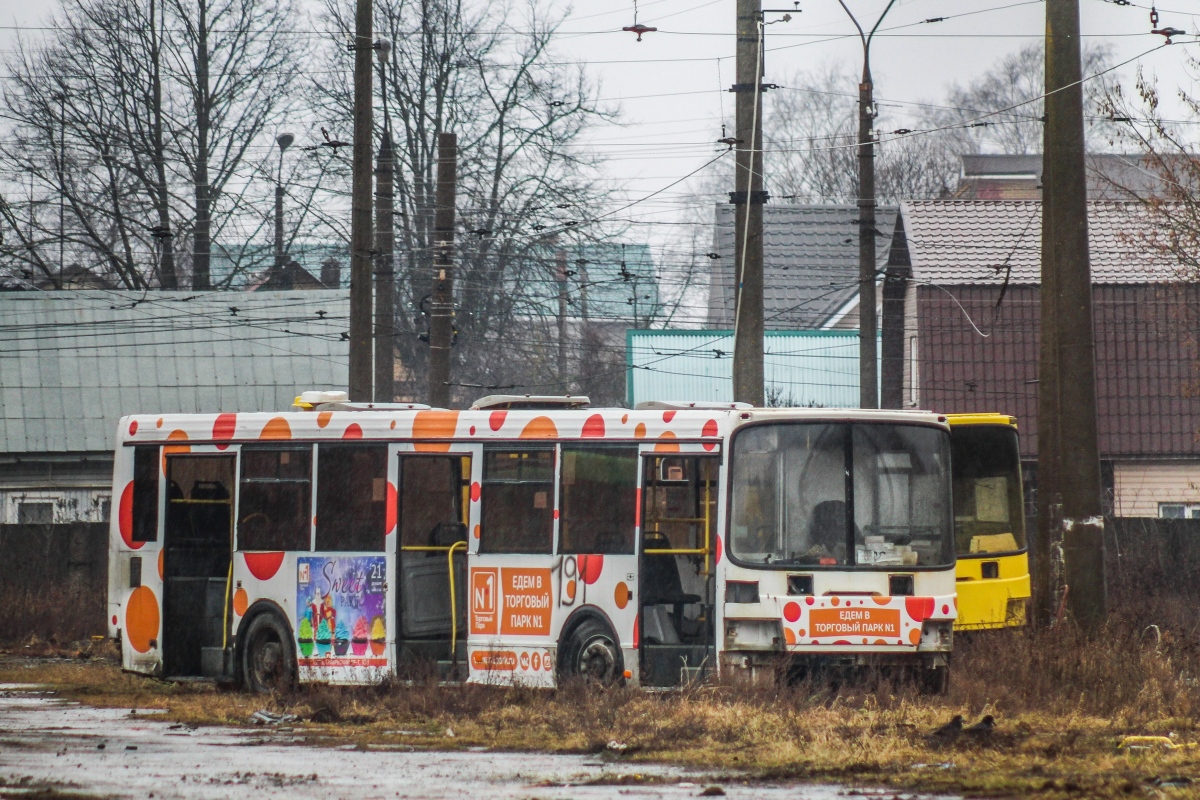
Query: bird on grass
point(948, 732)
point(983, 728)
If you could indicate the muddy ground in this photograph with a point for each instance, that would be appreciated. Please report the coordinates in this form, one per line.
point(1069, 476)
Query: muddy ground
point(52, 747)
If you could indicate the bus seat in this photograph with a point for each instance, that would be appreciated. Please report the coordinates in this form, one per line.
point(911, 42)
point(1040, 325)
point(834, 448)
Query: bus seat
point(661, 583)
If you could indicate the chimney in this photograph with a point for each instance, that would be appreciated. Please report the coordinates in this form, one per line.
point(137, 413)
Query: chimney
point(331, 273)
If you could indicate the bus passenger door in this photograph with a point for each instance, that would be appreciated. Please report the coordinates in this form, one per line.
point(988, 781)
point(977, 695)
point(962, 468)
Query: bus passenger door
point(434, 501)
point(677, 582)
point(197, 556)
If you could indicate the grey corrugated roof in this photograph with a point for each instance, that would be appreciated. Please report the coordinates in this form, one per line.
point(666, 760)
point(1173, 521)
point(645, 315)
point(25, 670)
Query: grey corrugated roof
point(810, 263)
point(980, 241)
point(73, 362)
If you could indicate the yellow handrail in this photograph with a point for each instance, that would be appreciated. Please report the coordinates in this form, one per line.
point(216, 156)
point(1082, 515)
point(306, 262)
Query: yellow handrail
point(453, 603)
point(431, 547)
point(669, 551)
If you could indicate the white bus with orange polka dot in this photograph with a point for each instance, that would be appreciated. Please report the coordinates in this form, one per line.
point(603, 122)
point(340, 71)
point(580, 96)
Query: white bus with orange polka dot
point(531, 540)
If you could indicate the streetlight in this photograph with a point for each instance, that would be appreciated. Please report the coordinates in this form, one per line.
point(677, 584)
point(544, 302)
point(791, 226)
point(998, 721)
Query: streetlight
point(868, 325)
point(284, 140)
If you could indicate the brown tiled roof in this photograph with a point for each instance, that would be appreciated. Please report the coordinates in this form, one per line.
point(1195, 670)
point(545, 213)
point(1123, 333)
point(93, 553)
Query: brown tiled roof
point(983, 241)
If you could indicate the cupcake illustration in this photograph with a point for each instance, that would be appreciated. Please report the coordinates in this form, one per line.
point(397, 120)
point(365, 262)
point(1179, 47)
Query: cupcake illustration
point(306, 638)
point(378, 636)
point(359, 643)
point(324, 635)
point(341, 642)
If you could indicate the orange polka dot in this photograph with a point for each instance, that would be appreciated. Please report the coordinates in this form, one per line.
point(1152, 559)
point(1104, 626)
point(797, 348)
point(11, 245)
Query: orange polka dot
point(880, 641)
point(837, 601)
point(389, 520)
point(881, 599)
point(621, 595)
point(667, 447)
point(393, 425)
point(571, 590)
point(171, 449)
point(800, 632)
point(240, 602)
point(141, 618)
point(158, 423)
point(476, 531)
point(323, 418)
point(639, 431)
point(434, 425)
point(276, 428)
point(789, 636)
point(540, 428)
point(624, 418)
point(125, 517)
point(160, 564)
point(914, 635)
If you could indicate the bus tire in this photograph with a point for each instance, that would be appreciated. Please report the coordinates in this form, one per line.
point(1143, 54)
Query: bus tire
point(592, 653)
point(268, 658)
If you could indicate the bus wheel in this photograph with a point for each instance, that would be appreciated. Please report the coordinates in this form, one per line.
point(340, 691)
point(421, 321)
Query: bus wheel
point(592, 653)
point(268, 663)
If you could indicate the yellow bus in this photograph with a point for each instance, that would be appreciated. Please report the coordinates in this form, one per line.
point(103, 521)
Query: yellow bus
point(989, 522)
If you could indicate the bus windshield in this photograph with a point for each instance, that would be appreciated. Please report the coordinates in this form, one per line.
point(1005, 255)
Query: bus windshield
point(841, 495)
point(989, 514)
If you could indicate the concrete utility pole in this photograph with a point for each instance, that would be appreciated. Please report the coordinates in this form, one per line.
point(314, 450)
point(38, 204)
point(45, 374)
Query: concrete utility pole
point(360, 211)
point(385, 275)
point(1069, 492)
point(868, 322)
point(748, 198)
point(284, 140)
point(560, 273)
point(441, 310)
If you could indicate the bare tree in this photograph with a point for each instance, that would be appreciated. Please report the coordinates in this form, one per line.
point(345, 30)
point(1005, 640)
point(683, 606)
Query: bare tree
point(1168, 148)
point(1014, 86)
point(812, 134)
point(526, 188)
point(142, 117)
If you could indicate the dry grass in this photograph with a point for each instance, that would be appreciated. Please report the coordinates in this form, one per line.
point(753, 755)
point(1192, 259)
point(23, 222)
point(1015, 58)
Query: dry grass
point(1061, 703)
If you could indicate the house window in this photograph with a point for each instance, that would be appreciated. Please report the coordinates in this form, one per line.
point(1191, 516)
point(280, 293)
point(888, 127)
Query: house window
point(39, 512)
point(1179, 510)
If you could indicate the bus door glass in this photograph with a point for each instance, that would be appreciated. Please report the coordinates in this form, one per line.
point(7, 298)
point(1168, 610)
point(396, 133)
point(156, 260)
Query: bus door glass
point(678, 557)
point(513, 582)
point(197, 557)
point(434, 514)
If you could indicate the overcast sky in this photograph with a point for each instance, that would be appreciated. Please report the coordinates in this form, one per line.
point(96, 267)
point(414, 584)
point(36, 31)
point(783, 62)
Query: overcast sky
point(669, 88)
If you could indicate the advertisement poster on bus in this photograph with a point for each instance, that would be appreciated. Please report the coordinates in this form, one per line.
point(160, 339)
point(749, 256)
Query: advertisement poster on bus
point(341, 615)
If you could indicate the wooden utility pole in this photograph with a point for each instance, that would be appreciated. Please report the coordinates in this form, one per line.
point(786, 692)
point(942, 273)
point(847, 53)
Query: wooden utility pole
point(385, 277)
point(1069, 491)
point(441, 310)
point(360, 211)
point(868, 321)
point(748, 198)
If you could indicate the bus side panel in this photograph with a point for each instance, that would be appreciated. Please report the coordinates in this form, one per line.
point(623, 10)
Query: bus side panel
point(510, 619)
point(991, 603)
point(135, 572)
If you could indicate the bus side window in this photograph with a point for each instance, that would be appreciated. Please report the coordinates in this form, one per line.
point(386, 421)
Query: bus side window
point(275, 498)
point(145, 493)
point(518, 501)
point(351, 496)
point(599, 500)
point(435, 492)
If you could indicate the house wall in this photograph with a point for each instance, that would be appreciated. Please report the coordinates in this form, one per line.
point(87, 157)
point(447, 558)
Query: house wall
point(77, 488)
point(1139, 486)
point(979, 352)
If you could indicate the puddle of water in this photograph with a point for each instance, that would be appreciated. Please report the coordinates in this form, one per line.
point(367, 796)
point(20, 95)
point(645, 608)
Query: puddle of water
point(112, 752)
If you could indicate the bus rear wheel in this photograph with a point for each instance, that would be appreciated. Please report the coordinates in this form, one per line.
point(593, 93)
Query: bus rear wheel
point(268, 660)
point(592, 653)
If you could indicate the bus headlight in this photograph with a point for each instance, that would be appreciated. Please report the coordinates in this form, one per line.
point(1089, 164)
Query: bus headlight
point(753, 634)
